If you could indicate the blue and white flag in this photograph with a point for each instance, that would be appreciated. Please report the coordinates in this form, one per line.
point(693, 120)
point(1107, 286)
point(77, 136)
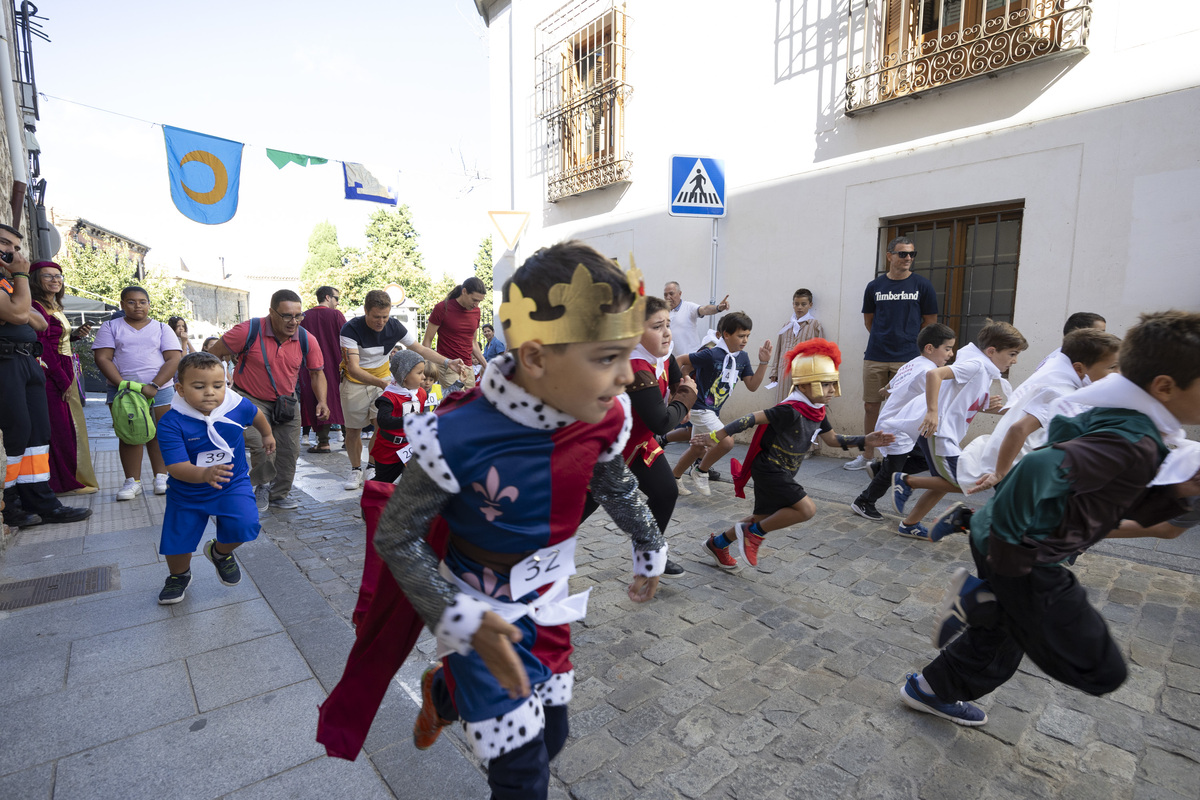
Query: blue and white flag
point(362, 185)
point(205, 172)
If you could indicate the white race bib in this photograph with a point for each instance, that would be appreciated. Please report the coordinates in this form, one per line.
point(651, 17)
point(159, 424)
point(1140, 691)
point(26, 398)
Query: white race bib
point(545, 566)
point(405, 453)
point(213, 457)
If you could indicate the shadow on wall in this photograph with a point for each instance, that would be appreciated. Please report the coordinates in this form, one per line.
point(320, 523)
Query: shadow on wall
point(814, 35)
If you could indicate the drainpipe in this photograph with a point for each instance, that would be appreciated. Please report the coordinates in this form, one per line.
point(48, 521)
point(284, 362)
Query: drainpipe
point(12, 126)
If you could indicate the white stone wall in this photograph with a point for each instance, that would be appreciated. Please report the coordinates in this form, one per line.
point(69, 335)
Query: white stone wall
point(1101, 149)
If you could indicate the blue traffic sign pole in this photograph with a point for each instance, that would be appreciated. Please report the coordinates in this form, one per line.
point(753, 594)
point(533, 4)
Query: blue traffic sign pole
point(698, 190)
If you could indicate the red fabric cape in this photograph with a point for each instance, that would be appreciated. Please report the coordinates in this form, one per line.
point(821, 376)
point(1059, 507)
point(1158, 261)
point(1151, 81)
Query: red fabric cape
point(741, 472)
point(386, 635)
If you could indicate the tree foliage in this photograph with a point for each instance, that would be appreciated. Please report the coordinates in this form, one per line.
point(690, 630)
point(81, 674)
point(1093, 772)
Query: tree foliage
point(483, 264)
point(324, 258)
point(102, 274)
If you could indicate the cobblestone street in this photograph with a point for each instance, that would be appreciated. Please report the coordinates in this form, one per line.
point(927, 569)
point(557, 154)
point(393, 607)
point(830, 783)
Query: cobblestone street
point(783, 681)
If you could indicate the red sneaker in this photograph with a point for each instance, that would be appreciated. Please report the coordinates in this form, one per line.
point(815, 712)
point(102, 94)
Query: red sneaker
point(429, 723)
point(721, 554)
point(747, 543)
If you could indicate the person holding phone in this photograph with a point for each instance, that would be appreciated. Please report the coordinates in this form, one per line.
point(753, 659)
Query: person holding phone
point(25, 421)
point(70, 457)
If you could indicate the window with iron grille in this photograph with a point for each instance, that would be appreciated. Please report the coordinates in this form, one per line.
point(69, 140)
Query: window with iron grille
point(581, 95)
point(899, 48)
point(971, 258)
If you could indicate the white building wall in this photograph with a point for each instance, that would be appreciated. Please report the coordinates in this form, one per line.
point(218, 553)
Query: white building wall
point(1102, 149)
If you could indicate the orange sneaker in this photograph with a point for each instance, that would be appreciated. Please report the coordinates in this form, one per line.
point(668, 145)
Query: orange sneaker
point(429, 723)
point(721, 554)
point(747, 543)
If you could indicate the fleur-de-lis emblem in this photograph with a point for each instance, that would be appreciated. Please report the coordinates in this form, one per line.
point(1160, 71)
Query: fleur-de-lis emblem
point(493, 494)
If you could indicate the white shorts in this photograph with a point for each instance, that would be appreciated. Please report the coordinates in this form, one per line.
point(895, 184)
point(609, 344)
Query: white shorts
point(704, 422)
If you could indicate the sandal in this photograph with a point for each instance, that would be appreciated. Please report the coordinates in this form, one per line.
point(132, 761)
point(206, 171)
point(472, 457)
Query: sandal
point(315, 449)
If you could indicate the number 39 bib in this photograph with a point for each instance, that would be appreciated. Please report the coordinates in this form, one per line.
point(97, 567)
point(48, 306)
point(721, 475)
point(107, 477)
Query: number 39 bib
point(211, 458)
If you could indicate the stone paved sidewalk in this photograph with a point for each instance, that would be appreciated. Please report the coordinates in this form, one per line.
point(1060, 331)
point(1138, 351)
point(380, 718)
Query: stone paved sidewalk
point(782, 682)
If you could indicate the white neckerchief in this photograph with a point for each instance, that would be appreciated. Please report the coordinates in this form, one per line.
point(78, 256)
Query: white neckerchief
point(660, 364)
point(1117, 391)
point(794, 323)
point(729, 369)
point(803, 398)
point(232, 400)
point(1056, 370)
point(395, 388)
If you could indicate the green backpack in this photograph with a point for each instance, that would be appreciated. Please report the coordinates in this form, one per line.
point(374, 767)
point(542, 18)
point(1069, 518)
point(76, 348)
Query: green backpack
point(132, 418)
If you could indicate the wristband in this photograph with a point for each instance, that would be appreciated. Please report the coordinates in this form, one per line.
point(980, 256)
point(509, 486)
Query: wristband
point(24, 275)
point(446, 362)
point(713, 435)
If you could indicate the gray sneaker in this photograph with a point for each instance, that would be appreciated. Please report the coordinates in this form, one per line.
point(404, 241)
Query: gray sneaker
point(285, 502)
point(262, 497)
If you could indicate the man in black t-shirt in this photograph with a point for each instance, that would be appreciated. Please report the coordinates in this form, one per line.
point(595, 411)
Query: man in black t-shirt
point(25, 420)
point(896, 306)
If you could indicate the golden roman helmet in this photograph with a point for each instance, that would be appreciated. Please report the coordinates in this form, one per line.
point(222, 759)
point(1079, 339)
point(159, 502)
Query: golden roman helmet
point(814, 362)
point(583, 319)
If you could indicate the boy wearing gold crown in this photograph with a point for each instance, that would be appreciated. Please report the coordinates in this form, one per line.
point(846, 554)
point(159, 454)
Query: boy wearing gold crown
point(784, 435)
point(500, 474)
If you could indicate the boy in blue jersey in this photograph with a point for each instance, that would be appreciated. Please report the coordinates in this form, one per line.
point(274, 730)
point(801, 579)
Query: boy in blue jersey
point(202, 446)
point(717, 370)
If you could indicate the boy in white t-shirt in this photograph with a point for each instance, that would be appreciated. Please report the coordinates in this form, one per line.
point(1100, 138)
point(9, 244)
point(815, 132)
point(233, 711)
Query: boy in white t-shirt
point(948, 413)
point(937, 347)
point(1087, 355)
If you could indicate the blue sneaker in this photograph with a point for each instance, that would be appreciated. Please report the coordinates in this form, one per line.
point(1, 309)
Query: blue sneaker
point(964, 595)
point(914, 531)
point(960, 712)
point(901, 491)
point(956, 519)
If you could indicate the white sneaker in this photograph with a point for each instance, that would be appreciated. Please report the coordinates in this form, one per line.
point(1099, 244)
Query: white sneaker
point(354, 480)
point(683, 490)
point(701, 480)
point(860, 462)
point(369, 473)
point(160, 484)
point(131, 489)
point(262, 497)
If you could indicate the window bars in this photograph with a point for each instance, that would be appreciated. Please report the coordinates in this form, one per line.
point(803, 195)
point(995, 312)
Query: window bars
point(581, 92)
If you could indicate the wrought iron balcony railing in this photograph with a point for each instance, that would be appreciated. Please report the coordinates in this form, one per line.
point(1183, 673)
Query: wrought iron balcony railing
point(910, 46)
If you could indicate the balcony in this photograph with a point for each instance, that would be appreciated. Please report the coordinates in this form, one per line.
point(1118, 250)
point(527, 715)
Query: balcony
point(911, 46)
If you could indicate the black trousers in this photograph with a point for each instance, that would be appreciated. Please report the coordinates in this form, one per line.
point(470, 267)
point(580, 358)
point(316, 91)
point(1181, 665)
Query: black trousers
point(909, 463)
point(524, 773)
point(1044, 614)
point(25, 421)
point(657, 482)
point(388, 473)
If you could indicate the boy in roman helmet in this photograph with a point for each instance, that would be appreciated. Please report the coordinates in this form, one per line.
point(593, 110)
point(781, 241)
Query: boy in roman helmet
point(786, 432)
point(480, 535)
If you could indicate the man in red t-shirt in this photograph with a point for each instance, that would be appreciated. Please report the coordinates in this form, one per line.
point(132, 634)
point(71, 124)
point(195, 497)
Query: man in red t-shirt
point(454, 321)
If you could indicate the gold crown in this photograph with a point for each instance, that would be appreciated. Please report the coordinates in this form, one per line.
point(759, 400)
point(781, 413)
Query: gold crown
point(583, 318)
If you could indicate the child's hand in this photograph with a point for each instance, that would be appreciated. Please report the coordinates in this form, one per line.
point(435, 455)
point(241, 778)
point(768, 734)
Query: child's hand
point(986, 482)
point(701, 440)
point(217, 475)
point(269, 443)
point(642, 588)
point(995, 403)
point(879, 439)
point(929, 424)
point(764, 352)
point(493, 641)
point(686, 383)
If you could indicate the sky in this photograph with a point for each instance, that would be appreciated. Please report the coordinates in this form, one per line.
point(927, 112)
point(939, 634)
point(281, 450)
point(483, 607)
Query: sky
point(399, 86)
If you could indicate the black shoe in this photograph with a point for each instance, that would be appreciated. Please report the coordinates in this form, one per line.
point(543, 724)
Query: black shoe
point(865, 509)
point(227, 567)
point(22, 520)
point(172, 591)
point(65, 514)
point(673, 568)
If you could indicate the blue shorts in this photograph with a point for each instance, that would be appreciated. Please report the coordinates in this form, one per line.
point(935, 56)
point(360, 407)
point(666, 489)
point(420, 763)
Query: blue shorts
point(945, 467)
point(184, 521)
point(163, 398)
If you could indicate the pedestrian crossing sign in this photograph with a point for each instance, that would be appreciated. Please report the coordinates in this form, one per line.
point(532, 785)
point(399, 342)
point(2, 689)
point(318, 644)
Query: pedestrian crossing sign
point(697, 187)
